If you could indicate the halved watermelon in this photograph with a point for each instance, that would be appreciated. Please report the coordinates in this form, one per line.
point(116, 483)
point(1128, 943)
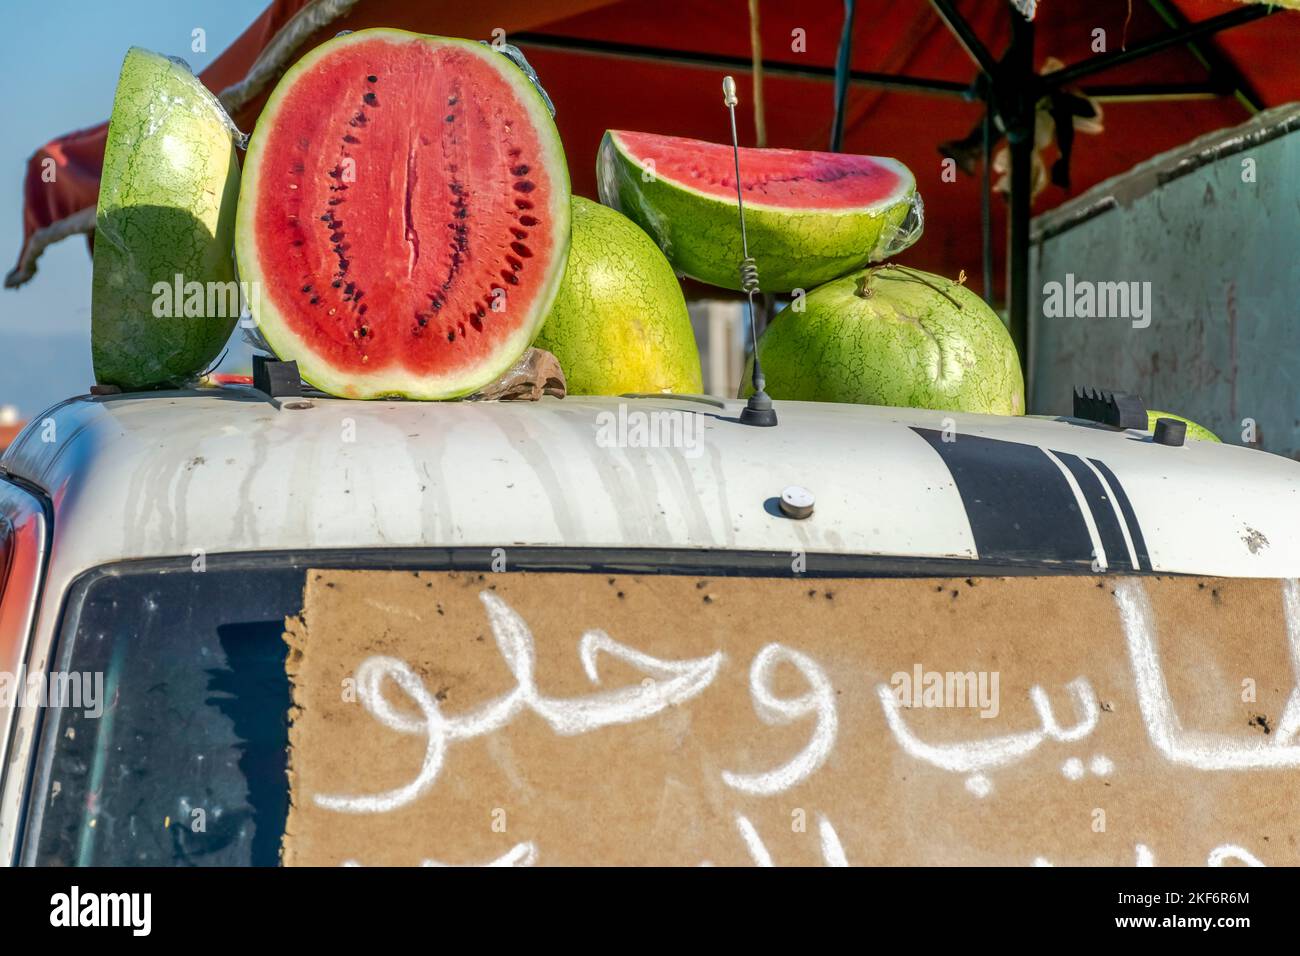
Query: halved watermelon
point(164, 221)
point(810, 217)
point(404, 216)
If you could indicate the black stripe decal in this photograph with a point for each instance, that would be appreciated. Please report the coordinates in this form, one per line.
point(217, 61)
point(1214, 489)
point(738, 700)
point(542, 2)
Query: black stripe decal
point(1019, 505)
point(1103, 512)
point(1130, 517)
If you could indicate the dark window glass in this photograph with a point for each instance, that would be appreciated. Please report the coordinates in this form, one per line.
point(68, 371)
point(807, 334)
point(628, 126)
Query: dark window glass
point(186, 763)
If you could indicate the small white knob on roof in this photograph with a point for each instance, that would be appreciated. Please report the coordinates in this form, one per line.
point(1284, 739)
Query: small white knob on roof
point(797, 502)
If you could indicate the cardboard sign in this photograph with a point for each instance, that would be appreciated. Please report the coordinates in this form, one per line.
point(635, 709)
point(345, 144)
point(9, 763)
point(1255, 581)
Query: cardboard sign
point(520, 718)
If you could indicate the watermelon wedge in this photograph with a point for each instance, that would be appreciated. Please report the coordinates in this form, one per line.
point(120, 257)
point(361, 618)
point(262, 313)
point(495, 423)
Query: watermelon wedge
point(163, 296)
point(811, 217)
point(404, 217)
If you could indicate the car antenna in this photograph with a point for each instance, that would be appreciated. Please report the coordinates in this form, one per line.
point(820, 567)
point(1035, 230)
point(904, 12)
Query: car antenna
point(758, 410)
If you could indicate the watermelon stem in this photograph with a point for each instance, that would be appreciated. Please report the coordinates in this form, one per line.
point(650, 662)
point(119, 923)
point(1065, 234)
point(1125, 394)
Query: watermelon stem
point(909, 274)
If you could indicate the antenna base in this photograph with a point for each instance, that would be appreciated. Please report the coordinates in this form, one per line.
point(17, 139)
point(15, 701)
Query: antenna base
point(758, 411)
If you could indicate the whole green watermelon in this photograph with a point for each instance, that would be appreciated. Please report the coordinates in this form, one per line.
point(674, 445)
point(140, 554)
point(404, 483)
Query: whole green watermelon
point(891, 335)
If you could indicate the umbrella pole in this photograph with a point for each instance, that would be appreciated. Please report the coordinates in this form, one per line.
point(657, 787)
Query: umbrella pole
point(1020, 139)
point(843, 66)
point(986, 201)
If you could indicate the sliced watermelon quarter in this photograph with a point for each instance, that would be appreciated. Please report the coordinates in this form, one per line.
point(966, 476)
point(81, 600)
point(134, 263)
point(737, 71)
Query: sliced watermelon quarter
point(810, 217)
point(404, 219)
point(163, 296)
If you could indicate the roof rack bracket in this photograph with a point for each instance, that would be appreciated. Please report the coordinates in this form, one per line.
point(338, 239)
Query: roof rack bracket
point(1116, 409)
point(277, 379)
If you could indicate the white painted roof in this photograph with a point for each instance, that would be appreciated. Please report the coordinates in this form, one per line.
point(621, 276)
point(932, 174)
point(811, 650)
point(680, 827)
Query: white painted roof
point(228, 470)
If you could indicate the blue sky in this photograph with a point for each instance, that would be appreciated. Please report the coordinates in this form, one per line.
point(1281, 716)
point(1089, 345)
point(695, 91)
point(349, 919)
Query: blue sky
point(59, 61)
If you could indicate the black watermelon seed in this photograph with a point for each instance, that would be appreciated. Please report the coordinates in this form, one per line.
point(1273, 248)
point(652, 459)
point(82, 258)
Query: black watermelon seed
point(372, 79)
point(371, 99)
point(519, 171)
point(451, 335)
point(306, 288)
point(337, 283)
point(522, 249)
point(350, 139)
point(523, 204)
point(525, 186)
point(510, 277)
point(477, 322)
point(519, 233)
point(315, 299)
point(450, 118)
point(527, 220)
point(514, 263)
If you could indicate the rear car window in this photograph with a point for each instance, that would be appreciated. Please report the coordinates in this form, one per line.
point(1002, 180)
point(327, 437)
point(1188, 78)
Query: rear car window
point(176, 754)
point(176, 751)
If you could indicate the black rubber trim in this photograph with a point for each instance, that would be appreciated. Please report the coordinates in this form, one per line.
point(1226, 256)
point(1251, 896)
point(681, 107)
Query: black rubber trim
point(1019, 504)
point(705, 562)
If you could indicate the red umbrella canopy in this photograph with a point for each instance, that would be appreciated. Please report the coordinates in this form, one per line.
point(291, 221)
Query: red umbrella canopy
point(656, 65)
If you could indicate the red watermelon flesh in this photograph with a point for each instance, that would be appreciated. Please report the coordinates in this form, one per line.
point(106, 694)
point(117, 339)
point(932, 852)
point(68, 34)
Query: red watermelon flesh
point(404, 215)
point(777, 177)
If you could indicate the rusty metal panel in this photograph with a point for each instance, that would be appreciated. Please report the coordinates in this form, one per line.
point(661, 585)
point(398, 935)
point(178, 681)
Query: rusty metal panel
point(1210, 233)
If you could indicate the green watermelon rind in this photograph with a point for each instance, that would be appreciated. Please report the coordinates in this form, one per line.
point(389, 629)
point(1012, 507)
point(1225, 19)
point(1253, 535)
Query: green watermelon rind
point(385, 383)
point(620, 323)
point(166, 207)
point(894, 341)
point(794, 248)
point(1195, 430)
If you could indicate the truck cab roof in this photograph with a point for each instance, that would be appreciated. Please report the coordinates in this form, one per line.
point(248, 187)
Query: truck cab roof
point(109, 503)
point(229, 470)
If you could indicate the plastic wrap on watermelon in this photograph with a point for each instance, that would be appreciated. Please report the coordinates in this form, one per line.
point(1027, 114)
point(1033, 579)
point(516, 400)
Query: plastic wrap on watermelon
point(810, 217)
point(894, 239)
point(516, 56)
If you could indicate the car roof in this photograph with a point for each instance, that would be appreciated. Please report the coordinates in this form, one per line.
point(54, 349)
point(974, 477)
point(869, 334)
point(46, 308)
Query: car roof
point(229, 470)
